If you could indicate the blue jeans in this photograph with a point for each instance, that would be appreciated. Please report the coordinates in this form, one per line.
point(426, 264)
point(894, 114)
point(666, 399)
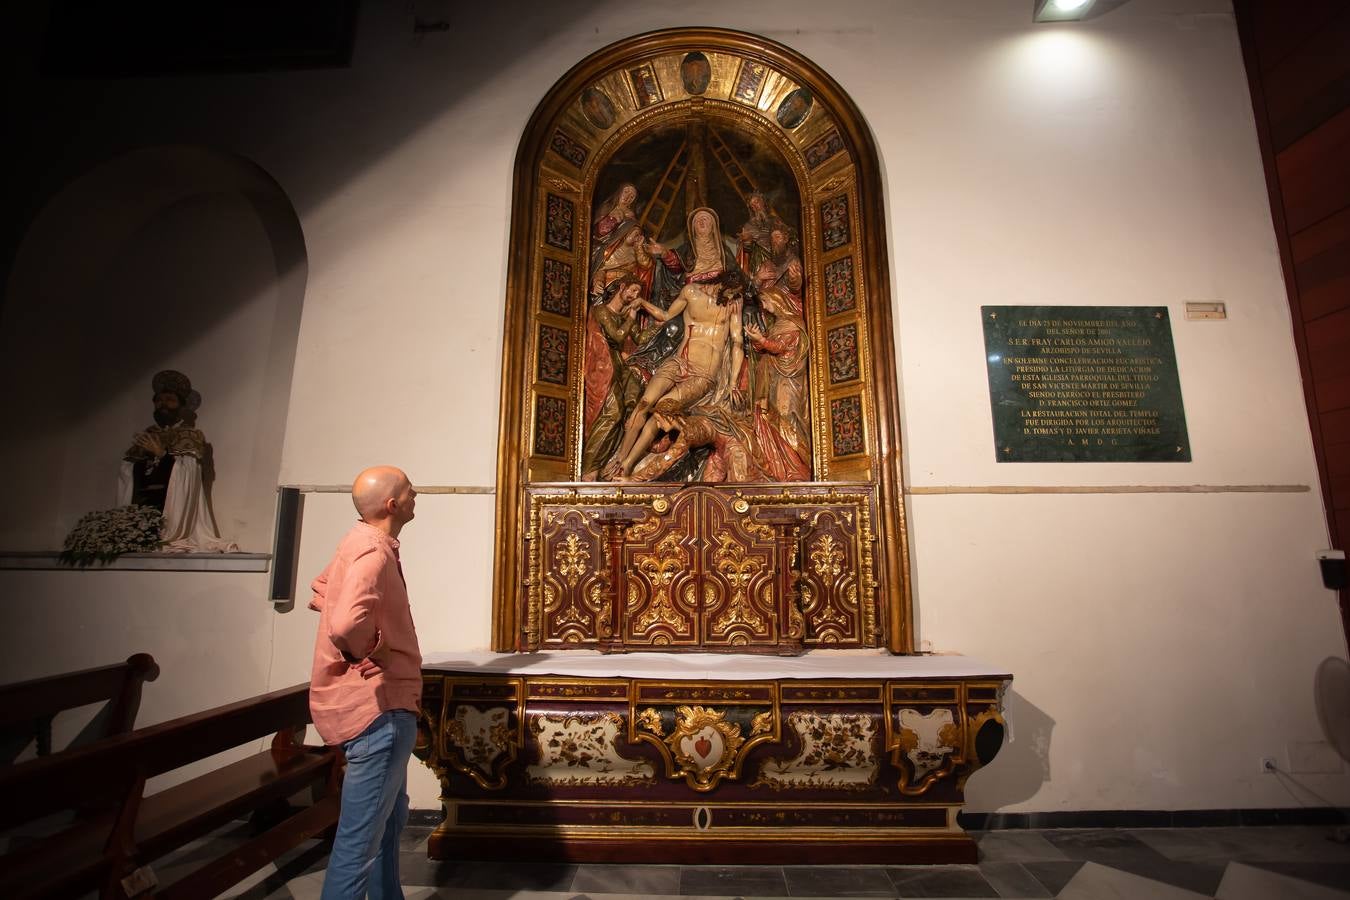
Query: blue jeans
point(374, 810)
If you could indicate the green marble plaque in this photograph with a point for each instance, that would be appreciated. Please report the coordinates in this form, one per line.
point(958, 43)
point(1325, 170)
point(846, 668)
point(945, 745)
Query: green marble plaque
point(1084, 384)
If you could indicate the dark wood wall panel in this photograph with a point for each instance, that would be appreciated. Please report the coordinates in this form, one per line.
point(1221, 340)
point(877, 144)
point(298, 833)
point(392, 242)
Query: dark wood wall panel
point(1282, 34)
point(1322, 265)
point(1297, 54)
point(1311, 85)
point(1314, 173)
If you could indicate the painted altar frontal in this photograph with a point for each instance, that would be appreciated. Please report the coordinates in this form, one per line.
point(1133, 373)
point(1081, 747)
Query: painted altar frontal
point(702, 615)
point(851, 755)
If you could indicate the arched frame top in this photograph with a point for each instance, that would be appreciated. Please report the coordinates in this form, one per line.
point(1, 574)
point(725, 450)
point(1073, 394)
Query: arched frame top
point(756, 87)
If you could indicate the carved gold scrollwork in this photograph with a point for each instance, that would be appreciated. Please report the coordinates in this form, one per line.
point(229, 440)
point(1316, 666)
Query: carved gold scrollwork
point(661, 569)
point(650, 720)
point(573, 616)
point(475, 739)
point(562, 184)
point(739, 570)
point(989, 713)
point(704, 745)
point(826, 557)
point(931, 744)
point(599, 600)
point(573, 559)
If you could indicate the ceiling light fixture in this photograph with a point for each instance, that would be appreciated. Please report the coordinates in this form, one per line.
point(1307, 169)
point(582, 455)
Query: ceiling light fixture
point(1061, 10)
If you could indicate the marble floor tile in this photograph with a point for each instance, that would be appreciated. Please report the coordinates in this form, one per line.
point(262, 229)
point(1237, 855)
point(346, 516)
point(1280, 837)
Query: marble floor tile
point(1201, 877)
point(416, 868)
point(1015, 846)
point(1280, 843)
point(1106, 846)
point(1052, 874)
point(838, 881)
point(305, 887)
point(621, 879)
point(1333, 875)
point(727, 881)
point(940, 881)
point(1011, 879)
point(517, 875)
point(1191, 844)
point(1099, 882)
point(1244, 882)
point(414, 838)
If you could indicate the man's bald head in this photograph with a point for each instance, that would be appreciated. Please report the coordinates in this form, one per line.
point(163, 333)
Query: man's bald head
point(383, 494)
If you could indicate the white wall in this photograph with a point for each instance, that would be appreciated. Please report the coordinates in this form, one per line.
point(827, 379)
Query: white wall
point(1161, 642)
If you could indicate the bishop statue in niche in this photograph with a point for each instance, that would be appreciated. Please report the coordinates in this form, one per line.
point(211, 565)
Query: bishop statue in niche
point(696, 359)
point(168, 467)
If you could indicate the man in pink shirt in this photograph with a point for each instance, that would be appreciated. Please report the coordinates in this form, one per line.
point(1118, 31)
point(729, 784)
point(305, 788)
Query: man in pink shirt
point(366, 685)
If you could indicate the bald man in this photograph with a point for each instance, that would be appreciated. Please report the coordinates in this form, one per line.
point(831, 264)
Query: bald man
point(366, 685)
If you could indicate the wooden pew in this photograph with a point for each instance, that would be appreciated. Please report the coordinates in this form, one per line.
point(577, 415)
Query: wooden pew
point(120, 832)
point(28, 708)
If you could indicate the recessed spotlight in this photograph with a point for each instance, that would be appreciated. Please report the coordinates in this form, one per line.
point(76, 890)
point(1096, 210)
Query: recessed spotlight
point(1061, 10)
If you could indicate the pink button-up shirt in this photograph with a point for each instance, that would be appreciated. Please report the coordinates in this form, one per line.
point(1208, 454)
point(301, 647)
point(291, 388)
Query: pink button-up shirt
point(363, 607)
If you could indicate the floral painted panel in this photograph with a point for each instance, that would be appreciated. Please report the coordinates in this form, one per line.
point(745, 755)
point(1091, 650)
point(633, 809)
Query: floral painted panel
point(846, 426)
point(843, 349)
point(550, 426)
point(835, 230)
point(823, 150)
point(556, 294)
point(552, 363)
point(568, 149)
point(580, 749)
point(838, 753)
point(560, 216)
point(840, 294)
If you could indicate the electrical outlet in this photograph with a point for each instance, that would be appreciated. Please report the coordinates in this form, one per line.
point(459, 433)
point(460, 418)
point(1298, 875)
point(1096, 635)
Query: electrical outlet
point(1268, 765)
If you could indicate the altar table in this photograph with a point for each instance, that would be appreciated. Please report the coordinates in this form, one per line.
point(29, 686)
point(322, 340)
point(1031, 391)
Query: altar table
point(843, 756)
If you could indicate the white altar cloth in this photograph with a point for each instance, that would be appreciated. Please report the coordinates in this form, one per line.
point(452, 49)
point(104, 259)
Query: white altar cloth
point(711, 666)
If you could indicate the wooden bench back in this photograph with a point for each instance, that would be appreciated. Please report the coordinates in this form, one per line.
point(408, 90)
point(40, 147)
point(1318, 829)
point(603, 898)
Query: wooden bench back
point(70, 779)
point(28, 707)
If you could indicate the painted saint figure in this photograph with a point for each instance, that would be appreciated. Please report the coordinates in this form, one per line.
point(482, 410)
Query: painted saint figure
point(612, 386)
point(167, 466)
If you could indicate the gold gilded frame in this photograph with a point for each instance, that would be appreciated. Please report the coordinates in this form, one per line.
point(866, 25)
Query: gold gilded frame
point(831, 155)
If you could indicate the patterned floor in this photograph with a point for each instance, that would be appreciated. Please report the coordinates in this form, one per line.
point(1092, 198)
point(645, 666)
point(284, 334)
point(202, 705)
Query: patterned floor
point(1250, 863)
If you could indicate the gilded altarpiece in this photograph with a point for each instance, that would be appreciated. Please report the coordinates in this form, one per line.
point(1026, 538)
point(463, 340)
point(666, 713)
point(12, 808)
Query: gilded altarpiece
point(699, 453)
point(698, 296)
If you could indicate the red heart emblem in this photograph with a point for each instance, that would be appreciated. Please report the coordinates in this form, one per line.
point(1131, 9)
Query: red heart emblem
point(703, 746)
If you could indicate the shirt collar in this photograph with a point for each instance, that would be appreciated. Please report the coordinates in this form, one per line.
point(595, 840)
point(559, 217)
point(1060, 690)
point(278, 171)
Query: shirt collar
point(391, 541)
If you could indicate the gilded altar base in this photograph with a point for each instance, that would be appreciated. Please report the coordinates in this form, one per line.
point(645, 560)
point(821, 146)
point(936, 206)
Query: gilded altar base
point(855, 756)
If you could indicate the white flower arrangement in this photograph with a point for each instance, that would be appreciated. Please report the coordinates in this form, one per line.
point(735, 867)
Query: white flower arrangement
point(106, 534)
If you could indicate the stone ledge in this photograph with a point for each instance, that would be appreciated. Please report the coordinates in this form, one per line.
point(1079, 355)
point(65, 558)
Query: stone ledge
point(142, 562)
